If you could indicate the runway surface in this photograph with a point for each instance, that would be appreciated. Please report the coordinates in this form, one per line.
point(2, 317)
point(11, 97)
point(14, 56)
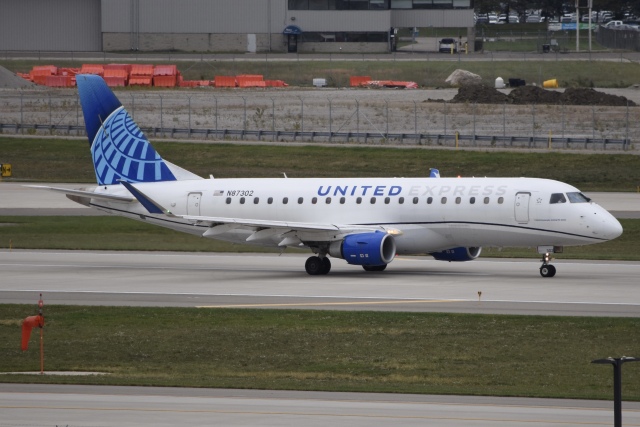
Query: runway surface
point(49, 405)
point(587, 288)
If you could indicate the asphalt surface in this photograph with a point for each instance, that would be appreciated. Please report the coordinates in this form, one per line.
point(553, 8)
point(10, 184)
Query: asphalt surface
point(61, 405)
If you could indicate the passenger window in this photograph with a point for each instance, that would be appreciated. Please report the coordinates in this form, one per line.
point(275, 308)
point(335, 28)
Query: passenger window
point(285, 200)
point(300, 200)
point(328, 200)
point(415, 200)
point(270, 200)
point(443, 200)
point(359, 200)
point(486, 200)
point(458, 200)
point(500, 200)
point(401, 200)
point(314, 200)
point(386, 200)
point(256, 200)
point(242, 200)
point(342, 200)
point(557, 198)
point(472, 200)
point(228, 200)
point(430, 200)
point(373, 200)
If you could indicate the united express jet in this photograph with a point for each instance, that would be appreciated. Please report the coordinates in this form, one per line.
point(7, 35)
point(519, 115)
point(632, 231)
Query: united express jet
point(364, 221)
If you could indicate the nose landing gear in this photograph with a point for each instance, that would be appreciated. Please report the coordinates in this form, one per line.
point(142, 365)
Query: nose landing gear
point(547, 270)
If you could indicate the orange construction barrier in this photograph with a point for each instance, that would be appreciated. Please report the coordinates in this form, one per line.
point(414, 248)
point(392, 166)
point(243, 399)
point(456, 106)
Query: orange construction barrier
point(165, 70)
point(225, 81)
point(250, 80)
point(145, 70)
point(165, 81)
point(44, 70)
point(58, 81)
point(357, 81)
point(140, 81)
point(92, 69)
point(115, 81)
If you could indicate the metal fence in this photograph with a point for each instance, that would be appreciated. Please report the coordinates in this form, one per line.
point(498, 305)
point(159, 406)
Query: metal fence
point(624, 39)
point(335, 117)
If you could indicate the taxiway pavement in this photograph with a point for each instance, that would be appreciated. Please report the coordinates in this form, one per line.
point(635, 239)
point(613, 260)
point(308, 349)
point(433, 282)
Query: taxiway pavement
point(581, 288)
point(44, 405)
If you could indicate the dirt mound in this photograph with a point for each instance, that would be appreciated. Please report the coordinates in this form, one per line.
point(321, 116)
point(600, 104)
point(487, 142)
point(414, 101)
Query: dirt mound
point(536, 95)
point(586, 96)
point(481, 94)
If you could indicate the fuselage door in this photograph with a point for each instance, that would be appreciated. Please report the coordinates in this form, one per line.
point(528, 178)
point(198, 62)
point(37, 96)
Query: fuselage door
point(193, 204)
point(522, 207)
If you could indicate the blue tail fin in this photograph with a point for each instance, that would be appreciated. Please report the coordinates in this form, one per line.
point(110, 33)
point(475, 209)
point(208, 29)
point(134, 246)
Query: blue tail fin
point(119, 149)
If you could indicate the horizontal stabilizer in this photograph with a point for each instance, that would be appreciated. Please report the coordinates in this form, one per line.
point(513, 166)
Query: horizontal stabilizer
point(83, 193)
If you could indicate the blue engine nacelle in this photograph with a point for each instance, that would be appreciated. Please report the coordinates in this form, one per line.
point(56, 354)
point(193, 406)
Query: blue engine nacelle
point(457, 254)
point(365, 249)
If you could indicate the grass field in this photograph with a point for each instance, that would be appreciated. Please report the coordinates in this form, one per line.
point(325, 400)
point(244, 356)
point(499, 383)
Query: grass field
point(429, 72)
point(325, 350)
point(59, 160)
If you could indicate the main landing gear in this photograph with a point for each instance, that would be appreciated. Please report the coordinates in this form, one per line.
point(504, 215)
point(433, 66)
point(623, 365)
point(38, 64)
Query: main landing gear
point(547, 270)
point(317, 266)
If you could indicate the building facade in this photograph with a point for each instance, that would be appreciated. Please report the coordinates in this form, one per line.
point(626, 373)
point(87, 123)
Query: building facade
point(221, 25)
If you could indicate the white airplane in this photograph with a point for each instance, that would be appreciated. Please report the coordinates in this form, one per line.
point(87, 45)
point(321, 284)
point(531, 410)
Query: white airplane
point(365, 221)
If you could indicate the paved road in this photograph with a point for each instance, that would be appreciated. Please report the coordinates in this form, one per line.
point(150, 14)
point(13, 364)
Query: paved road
point(272, 281)
point(49, 405)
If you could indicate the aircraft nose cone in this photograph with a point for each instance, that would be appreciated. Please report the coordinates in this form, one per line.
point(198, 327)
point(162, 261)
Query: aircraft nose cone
point(607, 226)
point(612, 228)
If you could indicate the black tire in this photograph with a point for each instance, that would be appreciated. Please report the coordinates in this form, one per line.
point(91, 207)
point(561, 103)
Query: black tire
point(374, 267)
point(313, 265)
point(326, 266)
point(547, 270)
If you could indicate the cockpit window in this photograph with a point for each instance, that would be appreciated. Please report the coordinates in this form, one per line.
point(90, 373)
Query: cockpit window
point(557, 198)
point(578, 198)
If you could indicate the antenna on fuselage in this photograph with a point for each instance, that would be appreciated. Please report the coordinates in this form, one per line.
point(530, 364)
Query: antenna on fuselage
point(285, 174)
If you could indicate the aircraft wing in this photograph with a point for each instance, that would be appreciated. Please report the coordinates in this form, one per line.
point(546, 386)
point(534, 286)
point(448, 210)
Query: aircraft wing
point(289, 231)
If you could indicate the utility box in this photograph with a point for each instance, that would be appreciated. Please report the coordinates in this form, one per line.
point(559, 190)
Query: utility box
point(6, 170)
point(320, 82)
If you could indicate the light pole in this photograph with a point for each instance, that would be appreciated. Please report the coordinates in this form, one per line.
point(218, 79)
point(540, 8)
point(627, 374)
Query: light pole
point(617, 384)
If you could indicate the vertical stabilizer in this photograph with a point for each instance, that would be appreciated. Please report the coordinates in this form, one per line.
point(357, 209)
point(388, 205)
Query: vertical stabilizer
point(119, 149)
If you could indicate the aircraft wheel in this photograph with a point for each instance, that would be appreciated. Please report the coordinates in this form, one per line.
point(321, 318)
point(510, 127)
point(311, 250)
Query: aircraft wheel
point(326, 266)
point(547, 270)
point(314, 266)
point(374, 267)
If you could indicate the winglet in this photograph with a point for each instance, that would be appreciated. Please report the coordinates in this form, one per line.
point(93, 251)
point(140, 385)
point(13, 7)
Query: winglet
point(150, 205)
point(434, 173)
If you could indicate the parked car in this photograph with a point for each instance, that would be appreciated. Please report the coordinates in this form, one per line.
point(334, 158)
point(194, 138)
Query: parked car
point(612, 24)
point(447, 44)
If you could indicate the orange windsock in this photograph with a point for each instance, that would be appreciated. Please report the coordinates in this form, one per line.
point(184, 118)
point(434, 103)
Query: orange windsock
point(28, 324)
